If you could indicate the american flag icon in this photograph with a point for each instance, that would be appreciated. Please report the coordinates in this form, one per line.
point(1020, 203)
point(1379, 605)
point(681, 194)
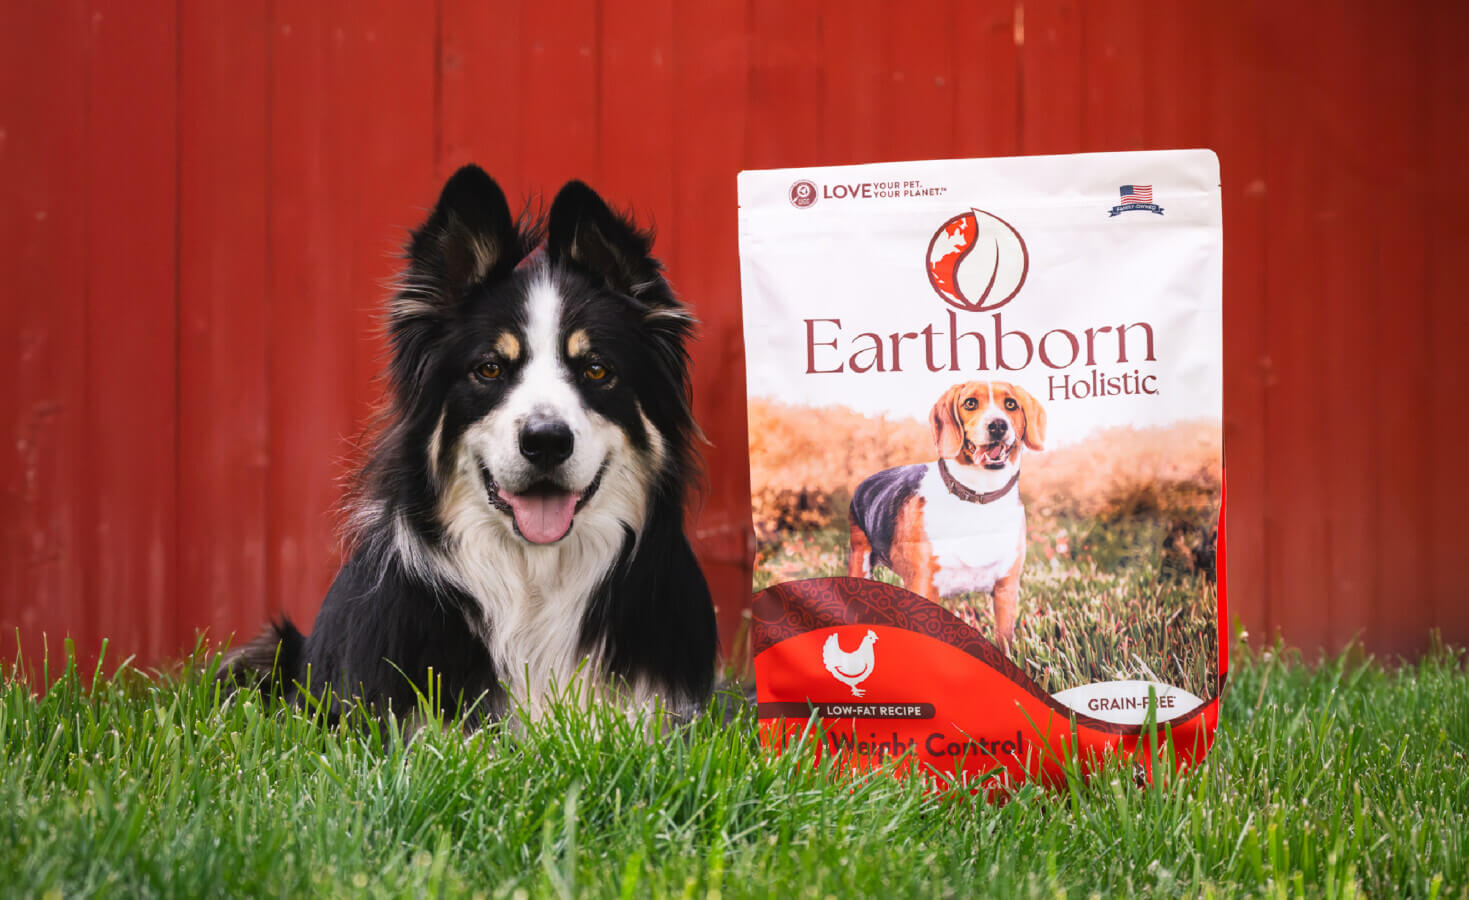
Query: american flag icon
point(1136, 193)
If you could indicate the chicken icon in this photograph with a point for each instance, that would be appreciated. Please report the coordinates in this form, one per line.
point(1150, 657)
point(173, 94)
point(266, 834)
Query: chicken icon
point(851, 668)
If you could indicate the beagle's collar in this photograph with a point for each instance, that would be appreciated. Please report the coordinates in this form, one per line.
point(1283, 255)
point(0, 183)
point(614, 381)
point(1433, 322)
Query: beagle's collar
point(973, 496)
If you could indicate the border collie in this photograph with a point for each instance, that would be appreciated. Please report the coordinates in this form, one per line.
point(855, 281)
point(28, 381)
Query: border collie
point(519, 521)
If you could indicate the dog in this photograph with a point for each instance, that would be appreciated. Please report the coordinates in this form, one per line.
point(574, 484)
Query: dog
point(957, 524)
point(518, 522)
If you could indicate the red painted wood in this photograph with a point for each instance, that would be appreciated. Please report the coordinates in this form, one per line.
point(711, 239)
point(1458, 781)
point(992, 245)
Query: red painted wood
point(1446, 231)
point(1295, 481)
point(786, 87)
point(197, 258)
point(1353, 284)
point(854, 75)
point(44, 582)
point(1052, 78)
point(1177, 88)
point(1116, 96)
point(560, 71)
point(481, 59)
point(224, 315)
point(986, 45)
point(636, 104)
point(916, 118)
point(1396, 269)
point(131, 346)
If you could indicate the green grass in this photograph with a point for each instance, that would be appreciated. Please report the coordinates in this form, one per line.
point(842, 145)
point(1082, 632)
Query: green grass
point(1331, 780)
point(1107, 610)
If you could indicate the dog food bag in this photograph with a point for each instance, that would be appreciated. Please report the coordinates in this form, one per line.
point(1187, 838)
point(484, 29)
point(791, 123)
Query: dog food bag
point(986, 459)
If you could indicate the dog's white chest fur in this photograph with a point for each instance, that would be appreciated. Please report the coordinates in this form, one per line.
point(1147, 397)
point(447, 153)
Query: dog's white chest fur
point(974, 544)
point(534, 604)
point(533, 599)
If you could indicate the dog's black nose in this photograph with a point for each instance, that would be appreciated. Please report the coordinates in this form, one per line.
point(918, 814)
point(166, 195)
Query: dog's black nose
point(997, 429)
point(545, 442)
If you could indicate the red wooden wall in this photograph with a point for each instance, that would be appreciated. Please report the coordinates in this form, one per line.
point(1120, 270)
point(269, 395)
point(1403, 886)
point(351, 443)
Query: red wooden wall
point(200, 203)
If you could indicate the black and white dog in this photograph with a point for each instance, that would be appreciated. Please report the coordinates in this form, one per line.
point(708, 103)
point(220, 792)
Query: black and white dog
point(519, 522)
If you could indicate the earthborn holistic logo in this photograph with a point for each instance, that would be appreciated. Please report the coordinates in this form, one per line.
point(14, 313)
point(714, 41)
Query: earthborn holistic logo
point(1136, 197)
point(977, 261)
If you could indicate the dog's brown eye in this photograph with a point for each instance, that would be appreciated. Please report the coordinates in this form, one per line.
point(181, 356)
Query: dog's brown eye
point(595, 372)
point(489, 371)
point(971, 403)
point(1010, 404)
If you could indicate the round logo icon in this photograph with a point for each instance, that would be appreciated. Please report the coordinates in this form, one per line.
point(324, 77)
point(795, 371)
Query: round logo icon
point(977, 261)
point(803, 194)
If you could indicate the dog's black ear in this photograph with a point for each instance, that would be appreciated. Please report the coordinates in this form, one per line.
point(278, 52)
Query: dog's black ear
point(469, 238)
point(584, 231)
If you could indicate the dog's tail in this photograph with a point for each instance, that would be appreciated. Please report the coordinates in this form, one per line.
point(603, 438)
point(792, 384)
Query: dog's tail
point(270, 662)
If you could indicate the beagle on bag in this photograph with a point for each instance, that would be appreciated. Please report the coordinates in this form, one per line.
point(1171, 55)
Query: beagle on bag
point(986, 458)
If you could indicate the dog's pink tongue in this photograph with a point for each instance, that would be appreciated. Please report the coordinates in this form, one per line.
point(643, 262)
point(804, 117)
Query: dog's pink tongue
point(542, 518)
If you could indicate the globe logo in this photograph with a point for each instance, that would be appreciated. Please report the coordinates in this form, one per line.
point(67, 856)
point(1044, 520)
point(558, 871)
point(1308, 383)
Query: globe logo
point(977, 261)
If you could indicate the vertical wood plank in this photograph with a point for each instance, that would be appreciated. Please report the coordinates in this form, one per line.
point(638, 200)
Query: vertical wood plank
point(560, 128)
point(223, 315)
point(1177, 80)
point(131, 280)
point(1446, 232)
point(1294, 308)
point(986, 47)
point(1116, 98)
point(636, 113)
point(856, 70)
point(1365, 61)
point(43, 231)
point(787, 86)
point(480, 66)
point(1401, 308)
point(917, 119)
point(1052, 80)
